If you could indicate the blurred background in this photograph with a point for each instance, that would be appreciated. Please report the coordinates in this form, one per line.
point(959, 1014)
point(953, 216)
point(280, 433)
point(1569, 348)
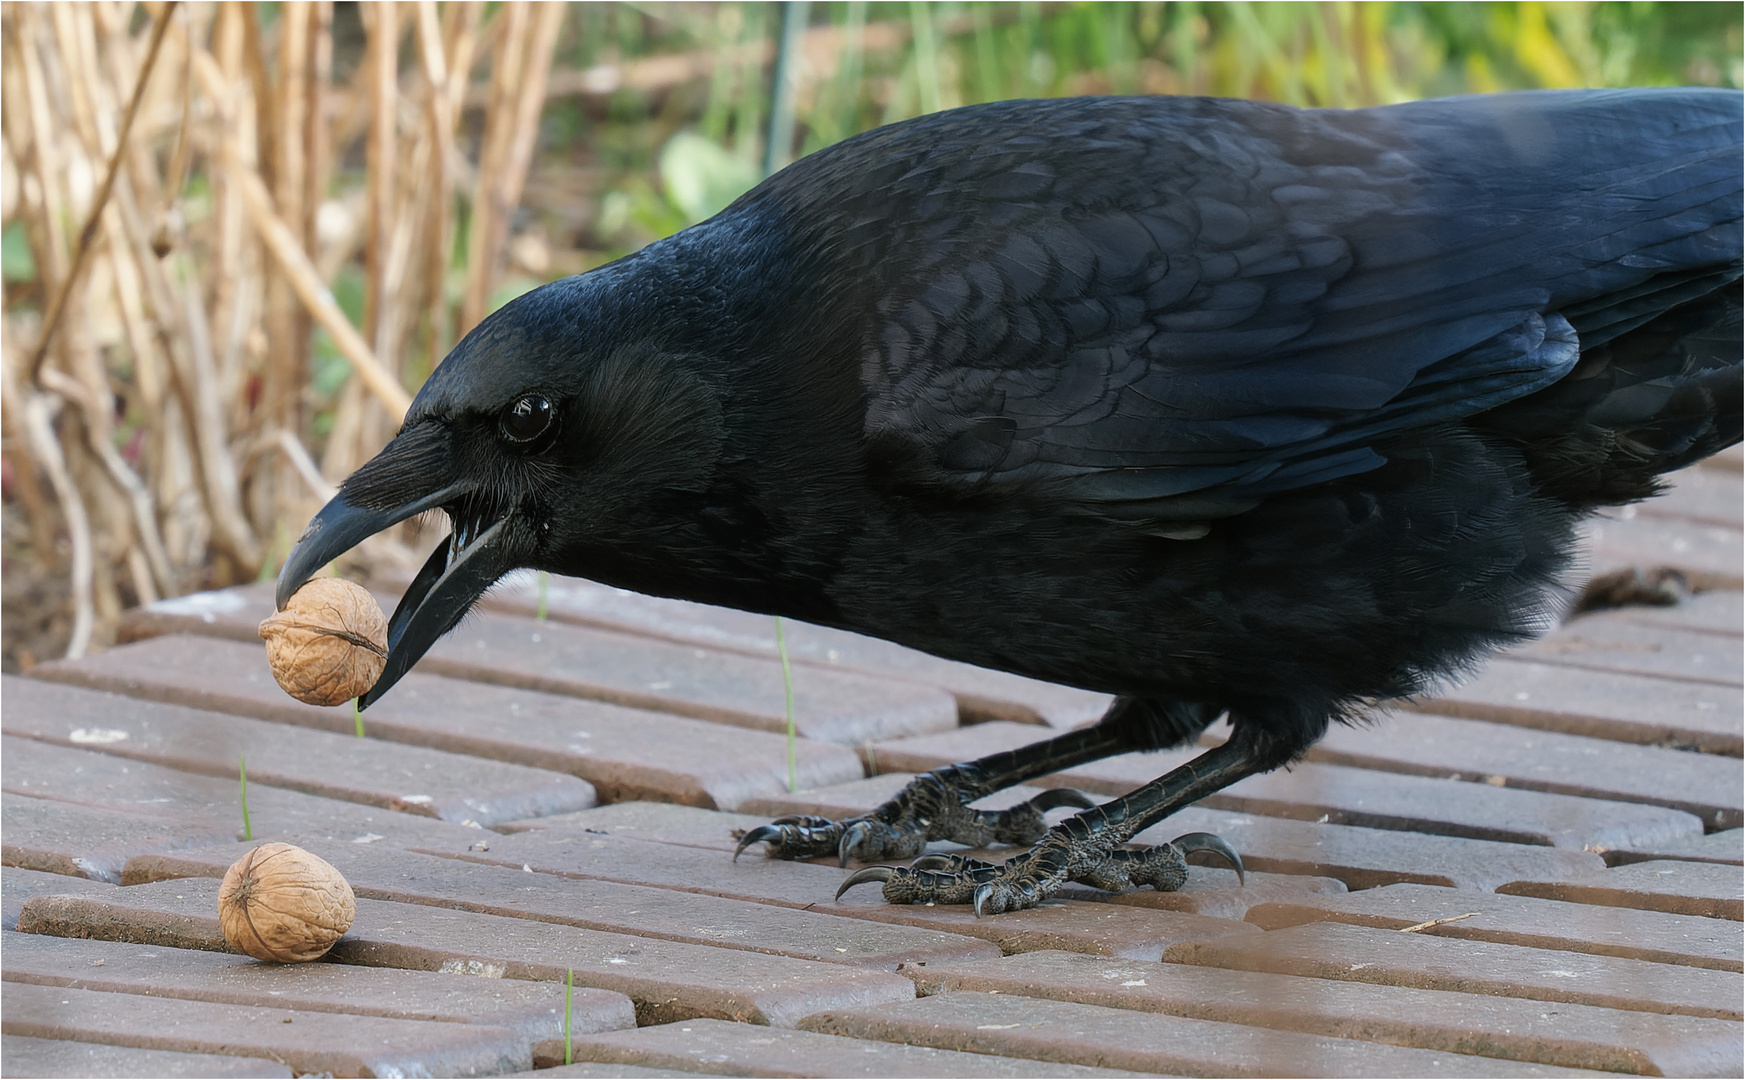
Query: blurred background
point(255, 228)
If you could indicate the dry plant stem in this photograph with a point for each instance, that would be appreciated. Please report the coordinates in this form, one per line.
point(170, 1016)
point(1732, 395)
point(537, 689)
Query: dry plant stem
point(224, 495)
point(506, 70)
point(317, 299)
point(38, 425)
point(384, 40)
point(58, 304)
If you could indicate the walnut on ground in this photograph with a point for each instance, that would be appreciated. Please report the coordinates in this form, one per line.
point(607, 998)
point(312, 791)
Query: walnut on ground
point(329, 644)
point(282, 904)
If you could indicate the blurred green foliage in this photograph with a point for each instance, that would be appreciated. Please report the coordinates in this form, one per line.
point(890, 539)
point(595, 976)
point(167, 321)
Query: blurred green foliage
point(667, 159)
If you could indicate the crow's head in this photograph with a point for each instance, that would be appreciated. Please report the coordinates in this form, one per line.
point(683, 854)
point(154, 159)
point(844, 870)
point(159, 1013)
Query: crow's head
point(567, 424)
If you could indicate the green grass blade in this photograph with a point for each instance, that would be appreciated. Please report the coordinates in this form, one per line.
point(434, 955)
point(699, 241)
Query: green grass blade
point(242, 773)
point(788, 687)
point(544, 595)
point(357, 718)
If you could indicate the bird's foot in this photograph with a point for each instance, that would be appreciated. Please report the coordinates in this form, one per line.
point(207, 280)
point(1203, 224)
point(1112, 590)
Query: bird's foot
point(1029, 879)
point(932, 807)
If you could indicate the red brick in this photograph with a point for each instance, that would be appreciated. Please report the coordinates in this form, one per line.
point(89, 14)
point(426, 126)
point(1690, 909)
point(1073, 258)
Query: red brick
point(625, 753)
point(382, 873)
point(1720, 847)
point(18, 885)
point(1706, 785)
point(322, 1042)
point(535, 1010)
point(645, 673)
point(667, 980)
point(1523, 920)
point(125, 785)
point(1604, 642)
point(981, 693)
point(741, 1050)
point(1683, 888)
point(1062, 1031)
point(59, 1057)
point(89, 841)
point(1628, 708)
point(412, 779)
point(1709, 556)
point(1387, 957)
point(1561, 1034)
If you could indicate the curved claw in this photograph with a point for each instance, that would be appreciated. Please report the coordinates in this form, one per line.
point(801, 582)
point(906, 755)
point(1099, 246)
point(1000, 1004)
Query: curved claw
point(864, 875)
point(1055, 798)
point(757, 836)
point(1217, 845)
point(981, 897)
point(853, 840)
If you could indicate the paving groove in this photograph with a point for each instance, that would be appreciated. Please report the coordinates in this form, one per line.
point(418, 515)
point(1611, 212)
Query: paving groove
point(558, 795)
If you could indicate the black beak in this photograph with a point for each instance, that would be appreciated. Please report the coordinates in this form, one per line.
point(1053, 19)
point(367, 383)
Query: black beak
point(452, 579)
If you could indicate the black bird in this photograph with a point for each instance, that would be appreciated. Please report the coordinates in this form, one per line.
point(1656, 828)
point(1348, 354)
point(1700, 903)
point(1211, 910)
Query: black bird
point(1225, 408)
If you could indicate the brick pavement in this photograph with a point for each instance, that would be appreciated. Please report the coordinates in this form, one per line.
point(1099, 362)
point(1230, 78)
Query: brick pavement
point(552, 796)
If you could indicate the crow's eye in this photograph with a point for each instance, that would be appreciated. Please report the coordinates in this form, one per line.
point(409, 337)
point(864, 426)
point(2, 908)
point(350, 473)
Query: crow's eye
point(526, 418)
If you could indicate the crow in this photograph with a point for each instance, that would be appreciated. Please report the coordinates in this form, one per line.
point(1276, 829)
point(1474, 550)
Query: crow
point(1226, 408)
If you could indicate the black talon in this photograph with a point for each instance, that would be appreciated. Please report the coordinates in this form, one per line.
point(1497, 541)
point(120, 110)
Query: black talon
point(852, 840)
point(864, 875)
point(1188, 843)
point(1055, 798)
point(758, 835)
point(981, 897)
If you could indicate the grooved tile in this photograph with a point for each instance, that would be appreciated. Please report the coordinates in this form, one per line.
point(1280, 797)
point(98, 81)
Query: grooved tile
point(704, 683)
point(25, 1056)
point(127, 785)
point(382, 873)
point(1606, 705)
point(667, 980)
point(1561, 1034)
point(1524, 920)
point(1099, 928)
point(1719, 847)
point(1709, 496)
point(624, 752)
point(412, 779)
point(1390, 958)
point(1604, 642)
point(1714, 890)
point(667, 823)
point(740, 1050)
point(534, 1009)
point(1706, 785)
point(1721, 612)
point(1428, 802)
point(981, 693)
point(308, 1042)
point(1058, 1031)
point(18, 885)
point(1709, 556)
point(89, 841)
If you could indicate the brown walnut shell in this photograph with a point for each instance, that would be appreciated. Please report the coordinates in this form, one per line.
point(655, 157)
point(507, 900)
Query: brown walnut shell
point(329, 644)
point(282, 904)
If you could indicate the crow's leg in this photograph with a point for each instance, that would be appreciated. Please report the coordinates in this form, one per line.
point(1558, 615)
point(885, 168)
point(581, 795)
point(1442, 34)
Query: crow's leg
point(1087, 847)
point(935, 805)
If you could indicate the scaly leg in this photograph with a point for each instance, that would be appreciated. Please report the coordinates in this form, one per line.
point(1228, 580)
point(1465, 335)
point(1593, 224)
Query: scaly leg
point(935, 805)
point(1085, 847)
